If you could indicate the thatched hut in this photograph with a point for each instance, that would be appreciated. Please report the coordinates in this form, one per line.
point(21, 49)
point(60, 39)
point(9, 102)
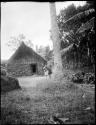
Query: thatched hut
point(25, 62)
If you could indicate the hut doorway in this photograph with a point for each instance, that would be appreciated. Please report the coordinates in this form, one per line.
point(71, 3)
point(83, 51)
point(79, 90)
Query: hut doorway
point(33, 68)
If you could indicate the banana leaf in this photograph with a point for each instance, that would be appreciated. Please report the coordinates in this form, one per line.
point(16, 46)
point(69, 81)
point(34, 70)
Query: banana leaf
point(78, 19)
point(88, 25)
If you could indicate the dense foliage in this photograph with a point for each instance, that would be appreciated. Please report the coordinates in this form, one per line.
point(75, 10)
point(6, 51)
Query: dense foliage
point(69, 21)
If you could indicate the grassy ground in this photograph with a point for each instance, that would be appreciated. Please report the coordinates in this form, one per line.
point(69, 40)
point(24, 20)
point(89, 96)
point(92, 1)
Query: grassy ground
point(33, 105)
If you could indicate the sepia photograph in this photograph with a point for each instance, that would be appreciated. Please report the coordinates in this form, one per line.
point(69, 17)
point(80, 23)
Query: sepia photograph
point(47, 62)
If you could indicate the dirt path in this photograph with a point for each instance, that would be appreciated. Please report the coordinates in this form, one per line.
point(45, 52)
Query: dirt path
point(30, 82)
point(34, 81)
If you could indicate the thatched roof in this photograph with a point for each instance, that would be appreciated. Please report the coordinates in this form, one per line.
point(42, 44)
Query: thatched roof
point(24, 52)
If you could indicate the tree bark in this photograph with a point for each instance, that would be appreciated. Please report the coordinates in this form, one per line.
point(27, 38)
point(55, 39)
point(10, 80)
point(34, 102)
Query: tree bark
point(58, 68)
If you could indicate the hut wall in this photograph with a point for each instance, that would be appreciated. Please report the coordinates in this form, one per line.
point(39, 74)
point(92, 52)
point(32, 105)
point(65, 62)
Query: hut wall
point(22, 67)
point(17, 69)
point(40, 69)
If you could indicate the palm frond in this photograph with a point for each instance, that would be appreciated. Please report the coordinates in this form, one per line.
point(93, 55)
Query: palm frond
point(78, 18)
point(88, 25)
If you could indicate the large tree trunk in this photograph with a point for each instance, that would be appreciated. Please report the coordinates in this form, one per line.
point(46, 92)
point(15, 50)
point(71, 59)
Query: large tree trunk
point(58, 68)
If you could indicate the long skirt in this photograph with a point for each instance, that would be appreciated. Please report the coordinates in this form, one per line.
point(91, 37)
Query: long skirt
point(46, 73)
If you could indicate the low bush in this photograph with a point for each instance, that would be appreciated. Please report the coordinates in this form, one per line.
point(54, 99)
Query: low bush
point(9, 83)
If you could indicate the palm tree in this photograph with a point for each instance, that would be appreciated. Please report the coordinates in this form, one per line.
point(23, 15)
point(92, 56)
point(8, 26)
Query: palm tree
point(55, 35)
point(58, 68)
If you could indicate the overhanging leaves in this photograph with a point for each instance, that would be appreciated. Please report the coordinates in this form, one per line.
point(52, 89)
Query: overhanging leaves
point(77, 19)
point(88, 25)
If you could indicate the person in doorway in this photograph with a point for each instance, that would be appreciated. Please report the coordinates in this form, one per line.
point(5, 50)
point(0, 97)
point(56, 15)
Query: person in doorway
point(47, 71)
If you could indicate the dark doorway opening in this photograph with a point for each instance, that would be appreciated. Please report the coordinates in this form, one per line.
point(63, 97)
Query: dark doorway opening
point(33, 68)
